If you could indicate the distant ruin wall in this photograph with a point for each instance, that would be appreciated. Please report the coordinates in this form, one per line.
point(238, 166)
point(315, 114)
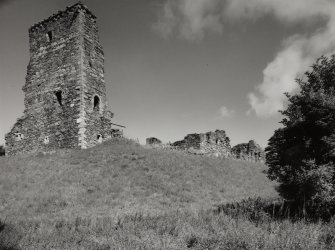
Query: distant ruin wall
point(250, 151)
point(211, 143)
point(216, 144)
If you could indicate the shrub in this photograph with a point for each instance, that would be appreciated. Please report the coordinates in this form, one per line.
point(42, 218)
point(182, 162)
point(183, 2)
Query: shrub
point(9, 237)
point(259, 210)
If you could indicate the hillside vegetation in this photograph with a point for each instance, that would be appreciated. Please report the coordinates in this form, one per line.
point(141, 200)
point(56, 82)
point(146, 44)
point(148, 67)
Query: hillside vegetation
point(120, 195)
point(122, 177)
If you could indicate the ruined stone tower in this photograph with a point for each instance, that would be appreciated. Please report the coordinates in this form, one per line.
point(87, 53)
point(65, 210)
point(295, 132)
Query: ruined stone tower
point(65, 91)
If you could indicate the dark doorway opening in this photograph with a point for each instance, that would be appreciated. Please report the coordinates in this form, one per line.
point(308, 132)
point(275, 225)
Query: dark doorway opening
point(96, 103)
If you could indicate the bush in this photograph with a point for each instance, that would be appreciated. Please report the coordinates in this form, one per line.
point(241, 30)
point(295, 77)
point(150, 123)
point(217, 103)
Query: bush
point(301, 154)
point(9, 237)
point(259, 210)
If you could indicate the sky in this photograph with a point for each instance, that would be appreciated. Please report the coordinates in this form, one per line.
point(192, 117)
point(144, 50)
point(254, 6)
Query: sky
point(175, 67)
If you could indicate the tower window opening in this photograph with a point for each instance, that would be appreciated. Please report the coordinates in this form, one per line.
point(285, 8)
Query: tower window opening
point(58, 94)
point(96, 103)
point(49, 35)
point(46, 140)
point(18, 136)
point(99, 138)
point(90, 64)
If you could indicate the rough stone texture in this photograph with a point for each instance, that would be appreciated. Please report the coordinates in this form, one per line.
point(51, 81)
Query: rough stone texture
point(250, 151)
point(65, 90)
point(153, 141)
point(211, 143)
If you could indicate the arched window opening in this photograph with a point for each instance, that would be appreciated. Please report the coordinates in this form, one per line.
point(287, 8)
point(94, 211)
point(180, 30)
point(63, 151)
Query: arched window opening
point(58, 94)
point(49, 36)
point(99, 138)
point(18, 136)
point(90, 64)
point(46, 140)
point(96, 103)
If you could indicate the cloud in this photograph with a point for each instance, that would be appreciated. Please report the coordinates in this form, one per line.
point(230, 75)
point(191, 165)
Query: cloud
point(298, 52)
point(192, 19)
point(189, 19)
point(225, 112)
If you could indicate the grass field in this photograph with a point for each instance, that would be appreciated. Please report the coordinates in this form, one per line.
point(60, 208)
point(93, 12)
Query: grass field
point(120, 195)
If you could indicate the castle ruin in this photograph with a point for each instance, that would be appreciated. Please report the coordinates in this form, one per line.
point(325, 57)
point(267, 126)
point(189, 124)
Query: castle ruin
point(215, 143)
point(65, 90)
point(250, 151)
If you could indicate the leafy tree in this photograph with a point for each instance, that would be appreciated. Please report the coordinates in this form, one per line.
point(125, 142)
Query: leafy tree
point(301, 154)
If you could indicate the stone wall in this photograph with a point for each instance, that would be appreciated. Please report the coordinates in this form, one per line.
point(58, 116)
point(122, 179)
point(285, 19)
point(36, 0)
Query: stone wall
point(211, 143)
point(215, 143)
point(250, 151)
point(65, 91)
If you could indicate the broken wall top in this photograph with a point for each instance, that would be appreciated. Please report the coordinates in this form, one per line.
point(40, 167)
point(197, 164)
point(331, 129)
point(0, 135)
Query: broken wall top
point(61, 14)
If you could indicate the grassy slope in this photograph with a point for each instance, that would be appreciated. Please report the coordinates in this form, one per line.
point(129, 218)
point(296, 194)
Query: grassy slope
point(122, 177)
point(120, 195)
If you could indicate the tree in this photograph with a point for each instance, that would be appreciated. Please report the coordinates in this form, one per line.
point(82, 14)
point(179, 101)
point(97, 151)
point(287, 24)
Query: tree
point(301, 154)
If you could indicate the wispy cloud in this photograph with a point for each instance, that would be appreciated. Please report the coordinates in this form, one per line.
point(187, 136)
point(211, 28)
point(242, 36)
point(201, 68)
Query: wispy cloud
point(298, 51)
point(192, 19)
point(226, 112)
point(189, 19)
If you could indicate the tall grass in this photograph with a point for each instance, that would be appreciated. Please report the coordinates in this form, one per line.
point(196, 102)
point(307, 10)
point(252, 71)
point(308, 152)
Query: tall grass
point(204, 229)
point(120, 195)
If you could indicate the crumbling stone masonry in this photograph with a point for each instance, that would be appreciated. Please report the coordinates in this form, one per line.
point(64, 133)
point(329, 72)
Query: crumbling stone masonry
point(213, 144)
point(250, 151)
point(65, 90)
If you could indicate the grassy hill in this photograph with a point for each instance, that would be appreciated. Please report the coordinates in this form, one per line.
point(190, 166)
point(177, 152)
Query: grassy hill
point(121, 177)
point(120, 195)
